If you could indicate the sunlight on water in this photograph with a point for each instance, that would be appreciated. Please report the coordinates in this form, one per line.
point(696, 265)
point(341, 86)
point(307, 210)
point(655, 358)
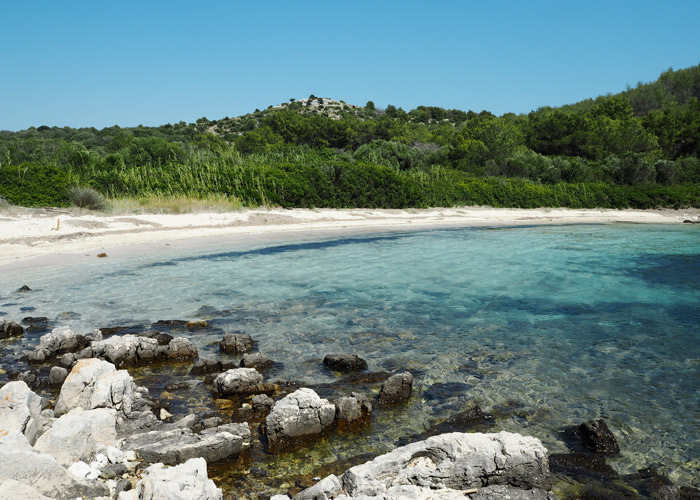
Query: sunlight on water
point(545, 327)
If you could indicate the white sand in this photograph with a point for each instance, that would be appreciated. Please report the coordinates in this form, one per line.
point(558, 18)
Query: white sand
point(26, 233)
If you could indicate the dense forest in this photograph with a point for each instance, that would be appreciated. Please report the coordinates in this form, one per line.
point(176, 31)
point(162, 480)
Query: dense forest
point(639, 148)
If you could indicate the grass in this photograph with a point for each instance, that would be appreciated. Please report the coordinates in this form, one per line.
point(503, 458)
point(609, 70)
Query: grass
point(175, 204)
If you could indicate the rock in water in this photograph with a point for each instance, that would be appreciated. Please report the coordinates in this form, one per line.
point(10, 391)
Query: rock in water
point(396, 389)
point(597, 437)
point(353, 411)
point(236, 343)
point(499, 466)
point(345, 363)
point(10, 329)
point(60, 340)
point(187, 481)
point(256, 360)
point(20, 410)
point(299, 414)
point(57, 375)
point(240, 381)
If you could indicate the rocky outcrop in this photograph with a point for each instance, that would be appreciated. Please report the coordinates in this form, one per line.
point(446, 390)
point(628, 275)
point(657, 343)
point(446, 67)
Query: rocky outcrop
point(179, 445)
point(20, 411)
point(493, 466)
point(40, 471)
point(597, 437)
point(344, 363)
point(353, 411)
point(298, 415)
point(131, 350)
point(59, 341)
point(396, 389)
point(187, 481)
point(240, 382)
point(256, 360)
point(10, 329)
point(94, 383)
point(236, 343)
point(76, 435)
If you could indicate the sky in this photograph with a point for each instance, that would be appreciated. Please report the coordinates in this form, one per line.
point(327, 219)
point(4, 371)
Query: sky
point(97, 64)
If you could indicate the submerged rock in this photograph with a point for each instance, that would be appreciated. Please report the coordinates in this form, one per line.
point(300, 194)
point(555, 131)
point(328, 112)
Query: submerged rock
point(256, 360)
point(497, 466)
point(596, 436)
point(236, 343)
point(396, 389)
point(344, 363)
point(206, 366)
point(299, 414)
point(20, 411)
point(188, 481)
point(24, 288)
point(10, 329)
point(178, 445)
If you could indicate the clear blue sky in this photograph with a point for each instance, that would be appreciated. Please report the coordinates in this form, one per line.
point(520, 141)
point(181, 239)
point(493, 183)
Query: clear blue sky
point(96, 63)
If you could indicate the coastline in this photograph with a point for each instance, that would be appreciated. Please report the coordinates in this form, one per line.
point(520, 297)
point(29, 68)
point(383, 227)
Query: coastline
point(28, 234)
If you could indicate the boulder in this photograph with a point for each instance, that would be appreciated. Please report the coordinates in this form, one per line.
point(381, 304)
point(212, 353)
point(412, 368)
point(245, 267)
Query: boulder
point(353, 410)
point(20, 410)
point(179, 445)
point(40, 471)
point(256, 360)
point(94, 383)
point(262, 403)
point(60, 340)
point(10, 329)
point(188, 481)
point(344, 363)
point(596, 436)
point(327, 487)
point(497, 466)
point(134, 350)
point(236, 343)
point(77, 433)
point(396, 389)
point(240, 381)
point(14, 490)
point(57, 375)
point(181, 348)
point(299, 414)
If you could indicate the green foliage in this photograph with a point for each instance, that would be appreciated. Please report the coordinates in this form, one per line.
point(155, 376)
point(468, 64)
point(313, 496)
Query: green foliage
point(85, 197)
point(31, 184)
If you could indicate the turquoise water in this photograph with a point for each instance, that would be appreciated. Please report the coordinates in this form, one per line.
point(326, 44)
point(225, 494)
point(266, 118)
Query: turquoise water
point(545, 326)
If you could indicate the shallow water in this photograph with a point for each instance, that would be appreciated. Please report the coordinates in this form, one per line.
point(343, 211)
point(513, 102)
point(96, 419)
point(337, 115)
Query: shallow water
point(544, 326)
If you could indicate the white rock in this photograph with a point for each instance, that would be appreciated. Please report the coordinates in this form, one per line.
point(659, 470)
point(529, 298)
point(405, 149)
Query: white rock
point(186, 481)
point(81, 470)
point(14, 490)
point(20, 410)
point(301, 413)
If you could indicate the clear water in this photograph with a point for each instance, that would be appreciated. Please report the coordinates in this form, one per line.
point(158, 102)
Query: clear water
point(544, 326)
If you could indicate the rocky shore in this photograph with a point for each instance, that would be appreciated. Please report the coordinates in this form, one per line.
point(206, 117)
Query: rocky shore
point(97, 434)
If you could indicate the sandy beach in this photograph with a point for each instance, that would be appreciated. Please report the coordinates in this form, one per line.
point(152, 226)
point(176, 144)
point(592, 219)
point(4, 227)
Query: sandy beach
point(29, 233)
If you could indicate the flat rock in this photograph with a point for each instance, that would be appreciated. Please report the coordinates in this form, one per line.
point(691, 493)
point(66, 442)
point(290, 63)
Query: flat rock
point(76, 435)
point(240, 381)
point(179, 445)
point(396, 389)
point(236, 343)
point(345, 363)
point(188, 481)
point(20, 410)
point(299, 414)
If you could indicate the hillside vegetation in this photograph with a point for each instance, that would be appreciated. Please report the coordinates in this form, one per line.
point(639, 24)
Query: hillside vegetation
point(639, 148)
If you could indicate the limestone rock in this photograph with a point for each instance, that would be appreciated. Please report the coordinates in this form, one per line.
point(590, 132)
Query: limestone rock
point(181, 348)
point(10, 329)
point(353, 410)
point(240, 381)
point(344, 363)
point(94, 383)
point(22, 463)
point(236, 343)
point(299, 414)
point(187, 481)
point(396, 389)
point(76, 435)
point(57, 375)
point(598, 437)
point(256, 360)
point(20, 410)
point(59, 341)
point(14, 490)
point(179, 445)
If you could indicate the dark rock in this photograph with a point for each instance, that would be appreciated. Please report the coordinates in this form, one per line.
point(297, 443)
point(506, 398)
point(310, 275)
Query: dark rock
point(10, 329)
point(344, 363)
point(27, 308)
point(162, 338)
point(236, 343)
point(170, 322)
point(24, 288)
point(207, 366)
point(256, 360)
point(651, 484)
point(262, 403)
point(122, 485)
point(464, 421)
point(366, 378)
point(176, 386)
point(444, 391)
point(596, 436)
point(196, 325)
point(688, 493)
point(578, 465)
point(397, 389)
point(57, 375)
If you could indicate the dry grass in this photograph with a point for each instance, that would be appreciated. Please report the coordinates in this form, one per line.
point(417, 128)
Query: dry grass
point(175, 204)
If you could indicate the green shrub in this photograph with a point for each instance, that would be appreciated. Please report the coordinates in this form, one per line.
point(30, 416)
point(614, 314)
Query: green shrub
point(85, 197)
point(32, 185)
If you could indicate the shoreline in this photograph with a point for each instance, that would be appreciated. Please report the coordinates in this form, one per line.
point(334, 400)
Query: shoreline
point(28, 236)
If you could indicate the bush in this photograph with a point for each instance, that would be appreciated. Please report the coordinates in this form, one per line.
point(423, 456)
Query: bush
point(85, 197)
point(31, 185)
